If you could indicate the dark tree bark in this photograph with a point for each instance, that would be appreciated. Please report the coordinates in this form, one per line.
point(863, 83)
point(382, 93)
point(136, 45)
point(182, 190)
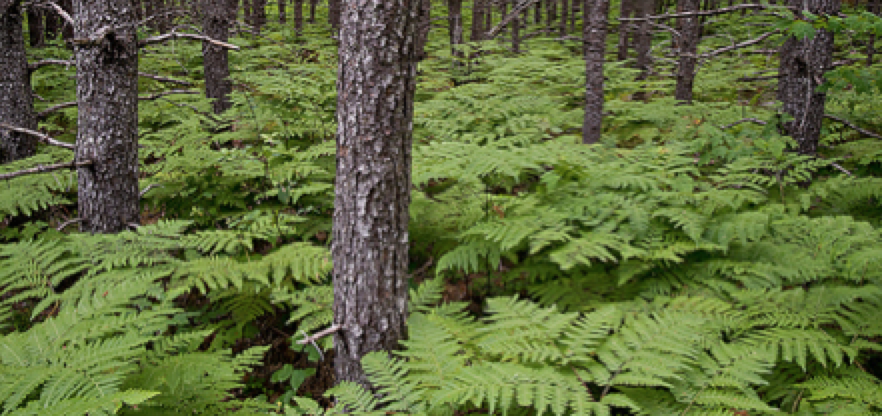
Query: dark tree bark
point(626, 10)
point(424, 25)
point(576, 8)
point(217, 17)
point(594, 40)
point(107, 98)
point(16, 99)
point(875, 7)
point(66, 29)
point(564, 17)
point(802, 67)
point(53, 24)
point(688, 48)
point(258, 13)
point(537, 13)
point(298, 16)
point(283, 18)
point(375, 87)
point(334, 13)
point(643, 36)
point(477, 20)
point(312, 6)
point(454, 26)
point(516, 34)
point(488, 16)
point(247, 11)
point(35, 26)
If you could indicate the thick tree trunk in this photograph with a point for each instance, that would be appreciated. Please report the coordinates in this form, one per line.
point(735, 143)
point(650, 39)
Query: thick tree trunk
point(375, 87)
point(689, 31)
point(16, 99)
point(594, 40)
point(35, 26)
point(107, 98)
point(802, 67)
point(217, 16)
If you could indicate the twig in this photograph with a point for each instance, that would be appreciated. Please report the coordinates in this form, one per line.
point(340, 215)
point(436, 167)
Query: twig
point(319, 335)
point(744, 120)
point(754, 41)
point(69, 222)
point(164, 79)
point(147, 189)
point(43, 138)
point(46, 62)
point(175, 35)
point(43, 169)
point(853, 126)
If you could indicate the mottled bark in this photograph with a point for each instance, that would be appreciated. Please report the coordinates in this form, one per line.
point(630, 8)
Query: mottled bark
point(375, 87)
point(107, 123)
point(688, 48)
point(16, 100)
point(802, 67)
point(35, 26)
point(594, 40)
point(217, 17)
point(477, 20)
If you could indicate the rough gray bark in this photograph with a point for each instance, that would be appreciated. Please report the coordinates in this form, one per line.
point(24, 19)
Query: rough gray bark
point(688, 49)
point(594, 39)
point(107, 123)
point(376, 83)
point(16, 100)
point(217, 16)
point(802, 67)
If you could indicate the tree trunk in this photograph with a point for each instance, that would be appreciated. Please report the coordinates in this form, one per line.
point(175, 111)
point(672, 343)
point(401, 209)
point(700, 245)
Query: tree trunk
point(334, 13)
point(258, 13)
point(564, 17)
point(66, 29)
point(594, 40)
point(375, 87)
point(35, 26)
point(537, 13)
point(298, 16)
point(247, 10)
point(802, 67)
point(107, 97)
point(477, 20)
point(53, 24)
point(217, 16)
point(16, 98)
point(689, 31)
point(516, 33)
point(282, 15)
point(643, 42)
point(454, 25)
point(424, 26)
point(312, 6)
point(626, 10)
point(575, 9)
point(875, 7)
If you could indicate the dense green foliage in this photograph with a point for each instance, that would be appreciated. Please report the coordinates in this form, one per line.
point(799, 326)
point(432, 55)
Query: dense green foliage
point(678, 267)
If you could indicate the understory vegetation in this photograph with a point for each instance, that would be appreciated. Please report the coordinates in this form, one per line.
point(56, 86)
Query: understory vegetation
point(683, 266)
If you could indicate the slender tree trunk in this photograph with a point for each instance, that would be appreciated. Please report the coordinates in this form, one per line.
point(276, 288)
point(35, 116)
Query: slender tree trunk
point(107, 97)
point(334, 13)
point(312, 6)
point(35, 26)
point(53, 24)
point(16, 99)
point(516, 33)
point(594, 40)
point(537, 13)
point(488, 17)
point(564, 17)
point(247, 10)
point(454, 25)
point(802, 67)
point(643, 40)
point(217, 16)
point(626, 10)
point(375, 87)
point(66, 29)
point(477, 20)
point(689, 30)
point(283, 18)
point(424, 25)
point(875, 7)
point(258, 13)
point(575, 9)
point(298, 16)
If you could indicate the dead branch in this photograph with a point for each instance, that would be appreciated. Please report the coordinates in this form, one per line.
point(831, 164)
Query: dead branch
point(724, 10)
point(44, 169)
point(515, 11)
point(744, 120)
point(40, 136)
point(176, 35)
point(853, 126)
point(754, 41)
point(46, 62)
point(164, 79)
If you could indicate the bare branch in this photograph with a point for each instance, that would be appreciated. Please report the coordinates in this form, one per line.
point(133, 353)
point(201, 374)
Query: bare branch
point(42, 137)
point(515, 11)
point(43, 114)
point(700, 13)
point(46, 62)
point(754, 41)
point(744, 120)
point(69, 222)
point(44, 169)
point(319, 335)
point(853, 126)
point(164, 79)
point(147, 189)
point(175, 35)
